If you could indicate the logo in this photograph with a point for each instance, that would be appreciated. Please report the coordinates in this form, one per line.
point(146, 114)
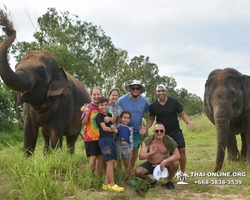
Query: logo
point(182, 177)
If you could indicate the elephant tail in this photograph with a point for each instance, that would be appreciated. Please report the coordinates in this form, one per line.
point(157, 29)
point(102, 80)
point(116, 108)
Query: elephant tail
point(81, 136)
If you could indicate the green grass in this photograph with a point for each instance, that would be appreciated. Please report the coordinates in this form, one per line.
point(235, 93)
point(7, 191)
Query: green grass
point(10, 139)
point(60, 176)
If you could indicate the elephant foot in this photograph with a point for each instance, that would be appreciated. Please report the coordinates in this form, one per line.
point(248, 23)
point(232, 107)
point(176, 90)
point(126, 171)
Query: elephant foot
point(248, 164)
point(28, 152)
point(217, 167)
point(234, 157)
point(243, 158)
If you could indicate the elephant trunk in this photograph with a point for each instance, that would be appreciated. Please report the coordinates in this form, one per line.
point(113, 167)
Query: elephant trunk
point(10, 78)
point(222, 121)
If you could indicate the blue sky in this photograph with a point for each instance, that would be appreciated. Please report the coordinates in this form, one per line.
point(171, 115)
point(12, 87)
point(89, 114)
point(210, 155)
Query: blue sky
point(186, 39)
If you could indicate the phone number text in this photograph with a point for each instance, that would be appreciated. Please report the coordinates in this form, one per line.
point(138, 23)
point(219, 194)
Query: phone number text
point(218, 182)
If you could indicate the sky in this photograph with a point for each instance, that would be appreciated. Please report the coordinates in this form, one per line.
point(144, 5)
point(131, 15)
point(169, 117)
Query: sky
point(187, 39)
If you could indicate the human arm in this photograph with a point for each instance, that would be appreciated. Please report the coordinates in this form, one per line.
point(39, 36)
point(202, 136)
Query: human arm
point(85, 120)
point(186, 119)
point(148, 125)
point(108, 129)
point(174, 157)
point(109, 119)
point(147, 151)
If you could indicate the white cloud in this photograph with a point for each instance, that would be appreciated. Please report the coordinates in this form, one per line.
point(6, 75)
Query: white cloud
point(186, 39)
point(195, 85)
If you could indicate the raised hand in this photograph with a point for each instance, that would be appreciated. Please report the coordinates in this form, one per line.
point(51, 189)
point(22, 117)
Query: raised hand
point(152, 149)
point(143, 130)
point(84, 108)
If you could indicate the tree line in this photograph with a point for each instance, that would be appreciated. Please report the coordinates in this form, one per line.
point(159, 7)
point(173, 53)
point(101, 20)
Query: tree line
point(85, 51)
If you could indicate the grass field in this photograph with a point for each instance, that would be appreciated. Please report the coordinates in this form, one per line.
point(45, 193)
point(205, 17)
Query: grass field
point(60, 176)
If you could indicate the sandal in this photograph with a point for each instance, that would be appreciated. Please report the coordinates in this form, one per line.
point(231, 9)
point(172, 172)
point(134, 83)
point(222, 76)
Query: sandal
point(105, 187)
point(116, 188)
point(132, 182)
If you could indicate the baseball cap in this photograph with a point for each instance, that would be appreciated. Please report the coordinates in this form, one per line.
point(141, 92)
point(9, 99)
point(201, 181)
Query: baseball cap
point(161, 87)
point(157, 173)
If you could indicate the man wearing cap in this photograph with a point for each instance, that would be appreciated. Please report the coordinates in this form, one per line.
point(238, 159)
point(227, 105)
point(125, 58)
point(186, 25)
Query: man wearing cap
point(137, 105)
point(165, 110)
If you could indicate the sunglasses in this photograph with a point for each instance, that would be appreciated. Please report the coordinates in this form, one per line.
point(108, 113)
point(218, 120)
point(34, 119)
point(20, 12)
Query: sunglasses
point(161, 90)
point(135, 88)
point(161, 131)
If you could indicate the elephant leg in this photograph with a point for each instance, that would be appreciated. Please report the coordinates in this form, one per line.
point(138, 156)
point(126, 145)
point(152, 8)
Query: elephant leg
point(30, 135)
point(247, 136)
point(232, 149)
point(243, 147)
point(71, 140)
point(46, 142)
point(56, 135)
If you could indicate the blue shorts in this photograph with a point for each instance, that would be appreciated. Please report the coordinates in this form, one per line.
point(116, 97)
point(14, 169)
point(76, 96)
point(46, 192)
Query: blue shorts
point(108, 147)
point(136, 139)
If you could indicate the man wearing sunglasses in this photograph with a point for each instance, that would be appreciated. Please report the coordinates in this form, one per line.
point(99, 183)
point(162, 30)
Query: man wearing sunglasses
point(137, 105)
point(156, 150)
point(165, 110)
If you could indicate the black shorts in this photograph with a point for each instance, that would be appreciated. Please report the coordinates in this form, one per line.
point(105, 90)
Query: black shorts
point(93, 148)
point(148, 166)
point(178, 138)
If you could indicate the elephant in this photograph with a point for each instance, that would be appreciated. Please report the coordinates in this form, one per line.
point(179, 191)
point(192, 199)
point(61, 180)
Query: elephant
point(51, 97)
point(227, 106)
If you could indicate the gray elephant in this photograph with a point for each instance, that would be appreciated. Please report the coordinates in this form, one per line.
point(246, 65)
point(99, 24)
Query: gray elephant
point(52, 98)
point(227, 105)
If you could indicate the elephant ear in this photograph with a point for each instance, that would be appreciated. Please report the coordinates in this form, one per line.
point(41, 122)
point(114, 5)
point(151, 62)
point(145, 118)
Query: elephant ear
point(246, 89)
point(59, 85)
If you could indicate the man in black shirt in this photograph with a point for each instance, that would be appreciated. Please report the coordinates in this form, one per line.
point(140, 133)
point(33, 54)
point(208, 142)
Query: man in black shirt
point(165, 110)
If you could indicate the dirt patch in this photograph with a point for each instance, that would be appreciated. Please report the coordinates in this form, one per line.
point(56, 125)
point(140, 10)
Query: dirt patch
point(187, 194)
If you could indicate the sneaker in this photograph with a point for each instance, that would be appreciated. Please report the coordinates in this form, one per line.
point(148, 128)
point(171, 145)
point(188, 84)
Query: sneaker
point(169, 185)
point(153, 185)
point(116, 188)
point(105, 187)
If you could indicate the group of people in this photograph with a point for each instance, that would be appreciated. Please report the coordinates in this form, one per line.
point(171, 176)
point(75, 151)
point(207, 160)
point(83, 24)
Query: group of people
point(112, 130)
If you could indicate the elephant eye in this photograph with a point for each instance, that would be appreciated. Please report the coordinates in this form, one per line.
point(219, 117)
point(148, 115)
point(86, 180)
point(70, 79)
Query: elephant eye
point(233, 95)
point(41, 71)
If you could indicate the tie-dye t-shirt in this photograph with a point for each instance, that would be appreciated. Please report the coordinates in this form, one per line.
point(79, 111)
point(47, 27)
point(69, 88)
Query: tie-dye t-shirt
point(91, 131)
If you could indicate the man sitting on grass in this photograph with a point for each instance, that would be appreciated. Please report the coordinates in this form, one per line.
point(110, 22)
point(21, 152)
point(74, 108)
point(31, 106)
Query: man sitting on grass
point(156, 150)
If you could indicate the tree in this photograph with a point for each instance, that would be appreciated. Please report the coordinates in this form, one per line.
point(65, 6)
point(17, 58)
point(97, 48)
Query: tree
point(191, 103)
point(84, 50)
point(139, 68)
point(8, 108)
point(80, 47)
